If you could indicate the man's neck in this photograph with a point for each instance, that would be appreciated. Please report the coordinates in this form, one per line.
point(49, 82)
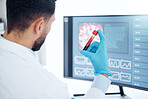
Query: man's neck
point(19, 39)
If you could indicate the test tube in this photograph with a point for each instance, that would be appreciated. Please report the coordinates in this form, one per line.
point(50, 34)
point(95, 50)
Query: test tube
point(91, 39)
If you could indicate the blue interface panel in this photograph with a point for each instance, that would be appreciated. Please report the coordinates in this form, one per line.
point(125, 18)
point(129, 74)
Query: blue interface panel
point(126, 43)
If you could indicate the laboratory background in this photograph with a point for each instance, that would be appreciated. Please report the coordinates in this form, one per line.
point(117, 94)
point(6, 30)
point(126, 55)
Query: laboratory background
point(51, 55)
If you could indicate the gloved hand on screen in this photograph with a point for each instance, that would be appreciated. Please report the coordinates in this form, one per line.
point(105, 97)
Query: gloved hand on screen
point(97, 54)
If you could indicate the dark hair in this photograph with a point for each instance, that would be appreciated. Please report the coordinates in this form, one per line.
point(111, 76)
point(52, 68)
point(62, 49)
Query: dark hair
point(22, 13)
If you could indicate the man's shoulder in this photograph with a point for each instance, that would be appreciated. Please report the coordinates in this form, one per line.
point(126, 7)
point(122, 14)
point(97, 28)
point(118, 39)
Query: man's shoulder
point(9, 59)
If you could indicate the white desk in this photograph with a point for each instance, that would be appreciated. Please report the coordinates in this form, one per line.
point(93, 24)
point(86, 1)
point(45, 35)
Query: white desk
point(107, 97)
point(81, 87)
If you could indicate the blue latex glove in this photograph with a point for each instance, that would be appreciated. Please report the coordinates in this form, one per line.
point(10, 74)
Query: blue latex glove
point(97, 54)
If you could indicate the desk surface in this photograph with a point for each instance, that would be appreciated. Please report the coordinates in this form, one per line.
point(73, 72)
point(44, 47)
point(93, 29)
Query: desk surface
point(107, 97)
point(81, 87)
point(116, 97)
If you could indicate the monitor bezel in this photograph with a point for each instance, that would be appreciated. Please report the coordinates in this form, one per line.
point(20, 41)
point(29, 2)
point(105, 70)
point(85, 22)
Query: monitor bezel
point(71, 57)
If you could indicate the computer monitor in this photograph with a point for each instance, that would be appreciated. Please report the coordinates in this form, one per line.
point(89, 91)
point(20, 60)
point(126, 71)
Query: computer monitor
point(126, 43)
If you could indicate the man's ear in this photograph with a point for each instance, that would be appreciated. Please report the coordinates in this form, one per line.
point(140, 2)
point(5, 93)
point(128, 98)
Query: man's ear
point(39, 26)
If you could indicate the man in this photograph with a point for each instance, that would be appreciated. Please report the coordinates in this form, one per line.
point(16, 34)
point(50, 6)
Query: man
point(21, 75)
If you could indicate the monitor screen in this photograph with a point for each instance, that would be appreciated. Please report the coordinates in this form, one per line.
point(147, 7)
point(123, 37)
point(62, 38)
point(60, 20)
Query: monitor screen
point(126, 43)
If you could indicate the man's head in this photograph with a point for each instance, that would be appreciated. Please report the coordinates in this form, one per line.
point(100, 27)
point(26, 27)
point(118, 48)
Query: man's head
point(30, 16)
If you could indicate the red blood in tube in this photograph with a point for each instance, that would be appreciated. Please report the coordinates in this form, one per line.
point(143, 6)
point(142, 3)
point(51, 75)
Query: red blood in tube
point(95, 32)
point(90, 40)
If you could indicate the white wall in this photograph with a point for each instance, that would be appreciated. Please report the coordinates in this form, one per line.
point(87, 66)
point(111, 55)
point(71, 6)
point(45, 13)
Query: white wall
point(3, 10)
point(54, 42)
